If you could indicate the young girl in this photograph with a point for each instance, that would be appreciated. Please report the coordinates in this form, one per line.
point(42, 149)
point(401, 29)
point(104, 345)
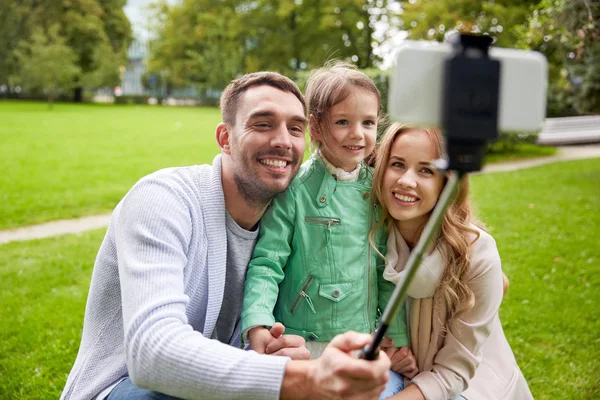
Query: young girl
point(455, 332)
point(313, 269)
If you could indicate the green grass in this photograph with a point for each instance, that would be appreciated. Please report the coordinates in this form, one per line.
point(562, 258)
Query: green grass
point(544, 220)
point(77, 160)
point(546, 224)
point(80, 159)
point(43, 288)
point(519, 151)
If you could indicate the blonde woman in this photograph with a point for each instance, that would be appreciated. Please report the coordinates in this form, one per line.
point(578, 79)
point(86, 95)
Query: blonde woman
point(455, 332)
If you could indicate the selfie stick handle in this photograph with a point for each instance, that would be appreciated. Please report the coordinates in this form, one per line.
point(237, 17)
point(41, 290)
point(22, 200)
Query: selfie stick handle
point(431, 230)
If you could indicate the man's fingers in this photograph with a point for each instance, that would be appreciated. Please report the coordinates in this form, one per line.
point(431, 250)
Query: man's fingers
point(376, 371)
point(350, 341)
point(295, 353)
point(277, 329)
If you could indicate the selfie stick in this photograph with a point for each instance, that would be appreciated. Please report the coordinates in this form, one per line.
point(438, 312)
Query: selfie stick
point(470, 119)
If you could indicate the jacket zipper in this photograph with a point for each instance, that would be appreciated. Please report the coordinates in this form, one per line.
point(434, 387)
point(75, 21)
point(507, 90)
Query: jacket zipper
point(302, 294)
point(324, 221)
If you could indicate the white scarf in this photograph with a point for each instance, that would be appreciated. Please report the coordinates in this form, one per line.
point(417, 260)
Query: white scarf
point(427, 277)
point(339, 173)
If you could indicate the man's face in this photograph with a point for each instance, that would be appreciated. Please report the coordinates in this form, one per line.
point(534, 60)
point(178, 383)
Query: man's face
point(267, 142)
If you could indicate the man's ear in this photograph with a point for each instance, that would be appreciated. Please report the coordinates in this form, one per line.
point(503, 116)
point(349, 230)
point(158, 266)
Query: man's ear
point(314, 129)
point(224, 138)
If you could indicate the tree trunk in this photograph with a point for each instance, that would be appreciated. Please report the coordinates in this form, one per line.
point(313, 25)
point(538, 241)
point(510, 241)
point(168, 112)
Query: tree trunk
point(78, 95)
point(368, 62)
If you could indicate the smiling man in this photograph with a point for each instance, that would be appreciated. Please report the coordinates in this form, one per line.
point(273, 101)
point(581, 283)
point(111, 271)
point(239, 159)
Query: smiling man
point(163, 313)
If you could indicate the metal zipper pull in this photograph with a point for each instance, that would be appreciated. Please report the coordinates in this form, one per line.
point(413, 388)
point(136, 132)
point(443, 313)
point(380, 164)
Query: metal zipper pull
point(309, 300)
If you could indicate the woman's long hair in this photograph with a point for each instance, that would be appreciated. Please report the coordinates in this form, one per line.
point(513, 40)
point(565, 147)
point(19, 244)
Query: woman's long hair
point(457, 234)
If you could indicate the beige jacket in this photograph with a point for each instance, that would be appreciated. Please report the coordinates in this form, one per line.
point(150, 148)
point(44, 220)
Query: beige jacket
point(470, 355)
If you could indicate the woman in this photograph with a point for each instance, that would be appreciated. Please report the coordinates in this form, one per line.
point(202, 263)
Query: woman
point(455, 332)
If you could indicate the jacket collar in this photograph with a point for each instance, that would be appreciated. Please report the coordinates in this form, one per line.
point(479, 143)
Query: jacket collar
point(329, 182)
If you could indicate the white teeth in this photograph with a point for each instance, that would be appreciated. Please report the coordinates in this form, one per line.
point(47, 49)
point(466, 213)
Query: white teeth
point(354, 147)
point(274, 163)
point(408, 199)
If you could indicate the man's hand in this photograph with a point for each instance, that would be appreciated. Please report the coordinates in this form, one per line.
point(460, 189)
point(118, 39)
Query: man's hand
point(274, 342)
point(337, 374)
point(403, 361)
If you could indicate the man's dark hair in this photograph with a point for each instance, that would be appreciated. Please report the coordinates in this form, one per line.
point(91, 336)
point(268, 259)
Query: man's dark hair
point(237, 87)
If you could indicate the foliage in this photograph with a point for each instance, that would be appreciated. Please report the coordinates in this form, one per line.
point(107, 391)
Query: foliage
point(96, 31)
point(59, 70)
point(131, 99)
point(508, 141)
point(435, 19)
point(209, 42)
point(568, 33)
point(13, 28)
point(504, 151)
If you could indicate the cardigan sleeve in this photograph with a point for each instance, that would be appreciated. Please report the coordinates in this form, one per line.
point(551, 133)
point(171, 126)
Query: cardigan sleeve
point(456, 362)
point(266, 268)
point(163, 352)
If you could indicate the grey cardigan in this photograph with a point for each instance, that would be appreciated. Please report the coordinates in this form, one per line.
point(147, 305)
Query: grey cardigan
point(155, 295)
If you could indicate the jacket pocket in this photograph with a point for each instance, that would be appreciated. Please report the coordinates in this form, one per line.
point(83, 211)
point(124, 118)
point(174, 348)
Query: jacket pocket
point(303, 294)
point(343, 306)
point(335, 292)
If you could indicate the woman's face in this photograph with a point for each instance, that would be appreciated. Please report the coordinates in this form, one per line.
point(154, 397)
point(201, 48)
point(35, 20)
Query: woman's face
point(411, 185)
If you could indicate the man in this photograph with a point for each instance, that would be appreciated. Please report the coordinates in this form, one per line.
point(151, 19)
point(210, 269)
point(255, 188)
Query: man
point(166, 291)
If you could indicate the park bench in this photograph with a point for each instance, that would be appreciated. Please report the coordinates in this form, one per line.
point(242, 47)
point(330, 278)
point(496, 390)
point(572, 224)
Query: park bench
point(570, 130)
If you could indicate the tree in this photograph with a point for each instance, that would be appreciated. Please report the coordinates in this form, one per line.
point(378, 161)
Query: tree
point(209, 42)
point(95, 30)
point(568, 33)
point(435, 19)
point(47, 63)
point(13, 29)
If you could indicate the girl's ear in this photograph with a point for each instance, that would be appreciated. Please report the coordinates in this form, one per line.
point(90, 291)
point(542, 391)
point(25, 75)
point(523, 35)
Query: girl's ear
point(314, 129)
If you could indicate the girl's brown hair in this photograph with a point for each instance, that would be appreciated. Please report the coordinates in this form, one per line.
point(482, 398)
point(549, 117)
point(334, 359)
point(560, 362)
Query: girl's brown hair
point(330, 85)
point(457, 234)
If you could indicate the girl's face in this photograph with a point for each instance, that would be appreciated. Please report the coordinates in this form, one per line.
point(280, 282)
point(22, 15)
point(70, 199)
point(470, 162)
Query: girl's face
point(411, 185)
point(352, 130)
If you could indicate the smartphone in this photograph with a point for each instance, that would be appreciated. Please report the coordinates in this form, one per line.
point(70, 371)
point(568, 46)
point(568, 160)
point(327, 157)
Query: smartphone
point(416, 84)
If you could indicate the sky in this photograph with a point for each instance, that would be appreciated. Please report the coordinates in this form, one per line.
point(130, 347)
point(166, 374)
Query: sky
point(138, 13)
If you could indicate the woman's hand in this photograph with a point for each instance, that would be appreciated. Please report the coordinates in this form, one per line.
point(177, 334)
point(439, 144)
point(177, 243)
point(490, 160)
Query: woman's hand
point(403, 361)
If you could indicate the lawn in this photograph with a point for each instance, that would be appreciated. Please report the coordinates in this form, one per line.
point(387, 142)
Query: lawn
point(77, 160)
point(544, 220)
point(80, 159)
point(518, 151)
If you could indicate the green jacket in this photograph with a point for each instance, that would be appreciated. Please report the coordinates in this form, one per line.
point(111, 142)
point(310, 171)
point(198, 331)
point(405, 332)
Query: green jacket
point(313, 268)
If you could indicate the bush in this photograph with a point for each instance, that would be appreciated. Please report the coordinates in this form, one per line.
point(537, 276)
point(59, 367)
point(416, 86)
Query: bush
point(509, 141)
point(132, 99)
